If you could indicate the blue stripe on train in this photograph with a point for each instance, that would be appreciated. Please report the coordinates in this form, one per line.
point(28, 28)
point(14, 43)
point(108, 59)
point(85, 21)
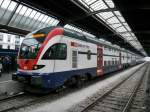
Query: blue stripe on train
point(53, 80)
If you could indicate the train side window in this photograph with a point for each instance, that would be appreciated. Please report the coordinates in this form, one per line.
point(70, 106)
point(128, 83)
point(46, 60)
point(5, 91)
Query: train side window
point(108, 63)
point(89, 55)
point(57, 51)
point(105, 48)
point(74, 59)
point(105, 63)
point(109, 49)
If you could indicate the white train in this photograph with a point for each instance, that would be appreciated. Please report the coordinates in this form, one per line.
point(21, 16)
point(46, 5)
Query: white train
point(53, 56)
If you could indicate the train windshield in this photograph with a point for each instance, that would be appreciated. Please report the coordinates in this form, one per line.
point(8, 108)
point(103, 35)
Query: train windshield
point(29, 48)
point(31, 45)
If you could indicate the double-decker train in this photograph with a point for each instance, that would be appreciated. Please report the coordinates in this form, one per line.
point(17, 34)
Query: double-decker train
point(53, 56)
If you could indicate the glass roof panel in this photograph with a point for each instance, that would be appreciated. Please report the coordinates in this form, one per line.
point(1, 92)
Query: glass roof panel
point(28, 12)
point(121, 29)
point(100, 17)
point(113, 19)
point(19, 8)
point(110, 3)
point(133, 34)
point(41, 16)
point(107, 15)
point(85, 4)
point(89, 1)
point(12, 6)
point(133, 43)
point(44, 19)
point(128, 28)
point(99, 5)
point(126, 34)
point(121, 19)
point(23, 10)
point(125, 24)
point(1, 1)
point(48, 20)
point(23, 17)
point(33, 13)
point(5, 4)
point(116, 25)
point(128, 38)
point(117, 13)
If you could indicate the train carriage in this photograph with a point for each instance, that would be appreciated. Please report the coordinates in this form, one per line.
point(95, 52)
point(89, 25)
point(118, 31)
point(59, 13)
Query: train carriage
point(53, 56)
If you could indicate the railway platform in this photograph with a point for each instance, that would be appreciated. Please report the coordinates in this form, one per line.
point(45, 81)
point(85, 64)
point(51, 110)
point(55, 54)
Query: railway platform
point(6, 76)
point(7, 86)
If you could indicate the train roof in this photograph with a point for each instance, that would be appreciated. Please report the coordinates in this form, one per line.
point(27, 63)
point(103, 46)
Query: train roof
point(79, 36)
point(83, 37)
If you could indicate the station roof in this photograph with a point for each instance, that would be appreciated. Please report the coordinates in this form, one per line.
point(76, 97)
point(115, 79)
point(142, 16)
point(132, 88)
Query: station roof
point(136, 13)
point(96, 17)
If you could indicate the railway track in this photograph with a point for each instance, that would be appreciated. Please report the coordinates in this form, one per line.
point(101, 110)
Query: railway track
point(8, 97)
point(138, 102)
point(120, 97)
point(24, 100)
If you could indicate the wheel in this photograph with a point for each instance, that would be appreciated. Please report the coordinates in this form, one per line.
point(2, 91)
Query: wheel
point(79, 82)
point(70, 82)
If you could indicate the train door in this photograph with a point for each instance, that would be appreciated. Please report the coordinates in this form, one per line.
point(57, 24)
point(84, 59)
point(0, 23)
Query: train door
point(120, 62)
point(99, 60)
point(61, 58)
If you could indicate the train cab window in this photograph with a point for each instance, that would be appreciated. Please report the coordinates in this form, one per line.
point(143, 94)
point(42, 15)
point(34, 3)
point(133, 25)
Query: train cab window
point(57, 51)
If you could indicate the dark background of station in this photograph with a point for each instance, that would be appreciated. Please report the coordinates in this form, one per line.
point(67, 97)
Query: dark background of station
point(12, 54)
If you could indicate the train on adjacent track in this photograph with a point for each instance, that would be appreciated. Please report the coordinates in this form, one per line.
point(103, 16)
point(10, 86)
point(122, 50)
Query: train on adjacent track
point(53, 56)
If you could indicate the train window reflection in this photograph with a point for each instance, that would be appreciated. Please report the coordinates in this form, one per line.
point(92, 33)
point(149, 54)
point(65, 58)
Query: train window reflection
point(29, 49)
point(57, 51)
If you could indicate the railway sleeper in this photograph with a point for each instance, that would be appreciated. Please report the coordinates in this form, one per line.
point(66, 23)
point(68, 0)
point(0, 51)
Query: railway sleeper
point(119, 103)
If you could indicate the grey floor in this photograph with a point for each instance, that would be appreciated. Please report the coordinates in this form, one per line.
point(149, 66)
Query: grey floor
point(6, 76)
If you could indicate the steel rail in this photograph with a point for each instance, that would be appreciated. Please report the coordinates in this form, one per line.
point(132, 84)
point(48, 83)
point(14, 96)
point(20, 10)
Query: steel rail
point(92, 104)
point(12, 96)
point(128, 104)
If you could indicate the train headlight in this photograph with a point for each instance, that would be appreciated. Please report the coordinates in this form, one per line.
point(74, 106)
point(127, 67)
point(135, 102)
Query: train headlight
point(25, 67)
point(35, 67)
